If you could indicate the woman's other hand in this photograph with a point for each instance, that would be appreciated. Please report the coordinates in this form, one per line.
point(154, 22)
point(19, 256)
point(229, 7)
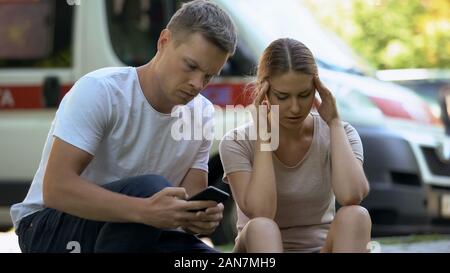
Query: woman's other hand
point(327, 108)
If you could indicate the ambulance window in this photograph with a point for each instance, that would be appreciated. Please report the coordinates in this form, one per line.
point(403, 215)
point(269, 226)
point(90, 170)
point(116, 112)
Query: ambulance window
point(35, 33)
point(135, 25)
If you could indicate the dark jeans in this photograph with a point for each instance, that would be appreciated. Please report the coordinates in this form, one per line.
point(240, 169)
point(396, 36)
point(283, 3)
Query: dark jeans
point(50, 230)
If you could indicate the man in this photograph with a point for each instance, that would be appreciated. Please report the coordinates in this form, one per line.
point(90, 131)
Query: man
point(111, 177)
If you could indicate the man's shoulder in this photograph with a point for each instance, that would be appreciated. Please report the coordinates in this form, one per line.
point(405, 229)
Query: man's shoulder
point(103, 85)
point(109, 72)
point(110, 81)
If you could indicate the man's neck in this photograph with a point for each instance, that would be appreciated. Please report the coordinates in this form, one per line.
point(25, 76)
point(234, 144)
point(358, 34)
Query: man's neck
point(150, 85)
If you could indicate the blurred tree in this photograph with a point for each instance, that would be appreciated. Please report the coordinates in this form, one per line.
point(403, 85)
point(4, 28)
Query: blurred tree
point(391, 33)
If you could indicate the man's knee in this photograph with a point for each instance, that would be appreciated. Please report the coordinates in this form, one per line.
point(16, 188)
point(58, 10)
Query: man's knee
point(144, 185)
point(127, 237)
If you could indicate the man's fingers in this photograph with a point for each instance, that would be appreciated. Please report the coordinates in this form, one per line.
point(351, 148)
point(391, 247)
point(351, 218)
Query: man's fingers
point(199, 205)
point(187, 216)
point(179, 192)
point(214, 210)
point(204, 226)
point(193, 229)
point(212, 214)
point(217, 217)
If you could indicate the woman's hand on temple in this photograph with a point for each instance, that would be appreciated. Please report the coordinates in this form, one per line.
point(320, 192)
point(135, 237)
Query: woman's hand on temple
point(327, 108)
point(262, 100)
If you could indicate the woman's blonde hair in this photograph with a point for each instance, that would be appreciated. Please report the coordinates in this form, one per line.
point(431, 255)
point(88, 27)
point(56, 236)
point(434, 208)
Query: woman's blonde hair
point(281, 56)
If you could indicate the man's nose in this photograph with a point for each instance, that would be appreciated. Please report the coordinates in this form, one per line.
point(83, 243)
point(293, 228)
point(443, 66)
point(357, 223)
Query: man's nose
point(197, 82)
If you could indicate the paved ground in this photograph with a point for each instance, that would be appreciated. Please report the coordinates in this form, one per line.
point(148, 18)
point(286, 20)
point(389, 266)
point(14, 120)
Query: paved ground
point(423, 247)
point(435, 243)
point(8, 242)
point(410, 244)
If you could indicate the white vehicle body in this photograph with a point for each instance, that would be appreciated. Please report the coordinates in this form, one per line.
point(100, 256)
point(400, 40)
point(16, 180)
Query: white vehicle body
point(361, 99)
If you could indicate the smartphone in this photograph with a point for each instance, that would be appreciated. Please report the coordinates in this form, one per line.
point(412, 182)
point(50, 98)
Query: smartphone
point(211, 193)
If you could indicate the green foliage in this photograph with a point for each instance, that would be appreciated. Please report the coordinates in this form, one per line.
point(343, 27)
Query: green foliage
point(392, 33)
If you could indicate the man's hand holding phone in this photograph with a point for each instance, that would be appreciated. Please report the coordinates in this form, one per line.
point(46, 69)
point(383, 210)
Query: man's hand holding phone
point(209, 217)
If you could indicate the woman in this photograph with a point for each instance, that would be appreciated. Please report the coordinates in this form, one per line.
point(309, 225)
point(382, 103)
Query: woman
point(286, 198)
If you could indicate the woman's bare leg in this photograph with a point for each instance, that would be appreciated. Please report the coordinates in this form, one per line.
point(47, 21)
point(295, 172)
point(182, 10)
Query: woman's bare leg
point(349, 231)
point(259, 235)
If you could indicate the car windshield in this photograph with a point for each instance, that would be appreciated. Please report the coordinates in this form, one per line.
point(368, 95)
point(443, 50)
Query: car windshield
point(290, 19)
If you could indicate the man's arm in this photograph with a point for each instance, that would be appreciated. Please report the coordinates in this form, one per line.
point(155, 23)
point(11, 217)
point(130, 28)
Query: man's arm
point(66, 191)
point(194, 182)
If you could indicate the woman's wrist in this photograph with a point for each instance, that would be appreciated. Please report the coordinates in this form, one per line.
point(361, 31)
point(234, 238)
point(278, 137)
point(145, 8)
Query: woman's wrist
point(334, 122)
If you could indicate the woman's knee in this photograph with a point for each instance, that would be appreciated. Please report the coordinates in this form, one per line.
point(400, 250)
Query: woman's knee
point(262, 226)
point(354, 215)
point(260, 235)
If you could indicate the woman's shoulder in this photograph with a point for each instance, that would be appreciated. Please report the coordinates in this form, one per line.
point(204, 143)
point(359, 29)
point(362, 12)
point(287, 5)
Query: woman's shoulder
point(240, 133)
point(238, 139)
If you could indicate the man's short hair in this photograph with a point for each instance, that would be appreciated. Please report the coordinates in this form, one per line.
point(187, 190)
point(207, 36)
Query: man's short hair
point(208, 19)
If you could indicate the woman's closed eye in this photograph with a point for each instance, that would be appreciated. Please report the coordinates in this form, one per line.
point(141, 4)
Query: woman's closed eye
point(305, 95)
point(281, 97)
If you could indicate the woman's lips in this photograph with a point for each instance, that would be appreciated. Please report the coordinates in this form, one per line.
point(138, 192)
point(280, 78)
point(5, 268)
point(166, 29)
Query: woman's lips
point(293, 119)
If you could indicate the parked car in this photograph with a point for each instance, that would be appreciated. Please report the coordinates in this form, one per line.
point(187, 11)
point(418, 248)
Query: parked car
point(433, 85)
point(399, 133)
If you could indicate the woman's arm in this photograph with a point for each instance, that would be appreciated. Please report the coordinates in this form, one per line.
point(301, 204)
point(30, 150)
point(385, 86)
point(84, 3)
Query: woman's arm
point(347, 174)
point(255, 192)
point(348, 180)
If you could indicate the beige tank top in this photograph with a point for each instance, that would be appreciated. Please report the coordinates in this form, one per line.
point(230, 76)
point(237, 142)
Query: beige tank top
point(305, 199)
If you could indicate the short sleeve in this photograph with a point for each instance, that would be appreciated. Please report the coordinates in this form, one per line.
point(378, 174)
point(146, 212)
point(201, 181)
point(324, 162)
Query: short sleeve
point(83, 115)
point(235, 155)
point(355, 141)
point(202, 158)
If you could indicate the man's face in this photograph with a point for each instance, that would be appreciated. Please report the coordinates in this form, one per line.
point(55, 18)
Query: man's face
point(186, 67)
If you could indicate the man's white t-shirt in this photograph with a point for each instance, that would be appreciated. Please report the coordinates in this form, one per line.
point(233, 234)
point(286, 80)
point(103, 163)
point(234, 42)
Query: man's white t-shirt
point(107, 115)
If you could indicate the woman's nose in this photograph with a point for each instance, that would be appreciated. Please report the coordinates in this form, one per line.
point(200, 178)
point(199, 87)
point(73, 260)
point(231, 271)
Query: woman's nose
point(295, 106)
